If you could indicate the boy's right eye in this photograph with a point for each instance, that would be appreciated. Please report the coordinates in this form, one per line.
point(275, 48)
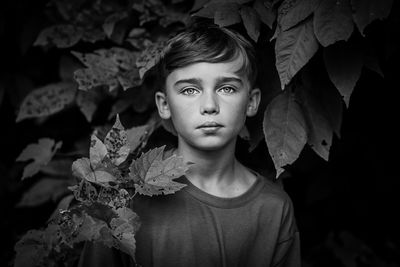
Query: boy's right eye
point(189, 91)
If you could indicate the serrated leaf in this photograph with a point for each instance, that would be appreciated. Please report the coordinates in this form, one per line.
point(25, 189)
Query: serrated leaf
point(292, 12)
point(320, 130)
point(150, 57)
point(90, 229)
point(344, 63)
point(366, 11)
point(333, 21)
point(107, 67)
point(45, 190)
point(293, 49)
point(88, 102)
point(227, 14)
point(116, 143)
point(47, 100)
point(62, 36)
point(285, 130)
point(41, 153)
point(266, 13)
point(251, 22)
point(154, 176)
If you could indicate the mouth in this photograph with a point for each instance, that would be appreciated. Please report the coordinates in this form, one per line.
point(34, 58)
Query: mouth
point(209, 125)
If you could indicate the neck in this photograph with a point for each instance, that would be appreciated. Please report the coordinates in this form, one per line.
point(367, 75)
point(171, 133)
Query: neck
point(210, 167)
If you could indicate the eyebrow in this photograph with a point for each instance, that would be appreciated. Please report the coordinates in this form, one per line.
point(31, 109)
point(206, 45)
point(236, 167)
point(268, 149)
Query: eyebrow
point(219, 80)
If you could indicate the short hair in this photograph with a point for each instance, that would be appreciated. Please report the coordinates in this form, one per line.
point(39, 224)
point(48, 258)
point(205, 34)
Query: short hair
point(208, 43)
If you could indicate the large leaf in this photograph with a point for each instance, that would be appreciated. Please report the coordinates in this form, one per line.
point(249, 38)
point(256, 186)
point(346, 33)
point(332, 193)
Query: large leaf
point(111, 20)
point(47, 100)
point(227, 14)
point(45, 190)
point(107, 67)
point(153, 176)
point(333, 21)
point(116, 143)
point(293, 49)
point(344, 63)
point(320, 130)
point(292, 12)
point(366, 11)
point(41, 153)
point(285, 130)
point(251, 22)
point(265, 11)
point(150, 57)
point(316, 79)
point(62, 36)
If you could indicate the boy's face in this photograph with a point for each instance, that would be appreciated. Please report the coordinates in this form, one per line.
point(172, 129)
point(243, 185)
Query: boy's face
point(208, 103)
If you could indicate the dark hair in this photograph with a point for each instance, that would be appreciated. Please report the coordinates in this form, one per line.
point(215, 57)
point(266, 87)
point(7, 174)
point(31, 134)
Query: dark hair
point(208, 43)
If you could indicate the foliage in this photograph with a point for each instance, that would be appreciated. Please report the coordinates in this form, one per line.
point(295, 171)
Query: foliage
point(108, 49)
point(104, 191)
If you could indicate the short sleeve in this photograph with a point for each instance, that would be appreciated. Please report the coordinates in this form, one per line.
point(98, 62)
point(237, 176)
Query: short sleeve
point(287, 251)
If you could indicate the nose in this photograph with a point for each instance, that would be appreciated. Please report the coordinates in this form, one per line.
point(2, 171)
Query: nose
point(209, 104)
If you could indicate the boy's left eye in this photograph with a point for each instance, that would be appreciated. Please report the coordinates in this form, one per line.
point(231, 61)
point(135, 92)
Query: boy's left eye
point(227, 89)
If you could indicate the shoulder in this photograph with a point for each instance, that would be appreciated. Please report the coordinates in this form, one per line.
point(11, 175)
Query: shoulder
point(273, 194)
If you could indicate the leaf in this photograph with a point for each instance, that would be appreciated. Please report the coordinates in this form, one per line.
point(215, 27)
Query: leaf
point(251, 22)
point(150, 57)
point(292, 12)
point(317, 80)
point(41, 153)
point(367, 11)
point(124, 229)
point(136, 135)
point(344, 63)
point(153, 175)
point(88, 102)
point(45, 190)
point(107, 67)
point(47, 100)
point(35, 247)
point(111, 20)
point(62, 36)
point(293, 49)
point(116, 143)
point(333, 21)
point(285, 130)
point(198, 4)
point(320, 130)
point(81, 168)
point(97, 151)
point(266, 13)
point(227, 14)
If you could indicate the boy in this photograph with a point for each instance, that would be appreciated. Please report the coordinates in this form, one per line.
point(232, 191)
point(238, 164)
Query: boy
point(227, 215)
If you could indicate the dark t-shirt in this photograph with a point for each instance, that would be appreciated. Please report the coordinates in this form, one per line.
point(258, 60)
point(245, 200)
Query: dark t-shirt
point(193, 228)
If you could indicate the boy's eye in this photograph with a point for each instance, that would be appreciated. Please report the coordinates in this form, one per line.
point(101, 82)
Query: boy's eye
point(189, 91)
point(227, 89)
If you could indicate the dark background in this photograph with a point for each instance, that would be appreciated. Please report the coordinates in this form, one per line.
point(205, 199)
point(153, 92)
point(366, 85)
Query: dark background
point(347, 208)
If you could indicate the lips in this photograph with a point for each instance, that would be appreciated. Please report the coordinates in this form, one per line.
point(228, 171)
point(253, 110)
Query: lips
point(209, 125)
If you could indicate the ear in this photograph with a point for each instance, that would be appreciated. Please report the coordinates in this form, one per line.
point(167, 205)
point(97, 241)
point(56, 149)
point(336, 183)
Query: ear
point(254, 102)
point(162, 105)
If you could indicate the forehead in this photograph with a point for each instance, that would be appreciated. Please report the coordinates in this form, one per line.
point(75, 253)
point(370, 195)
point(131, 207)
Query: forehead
point(207, 71)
